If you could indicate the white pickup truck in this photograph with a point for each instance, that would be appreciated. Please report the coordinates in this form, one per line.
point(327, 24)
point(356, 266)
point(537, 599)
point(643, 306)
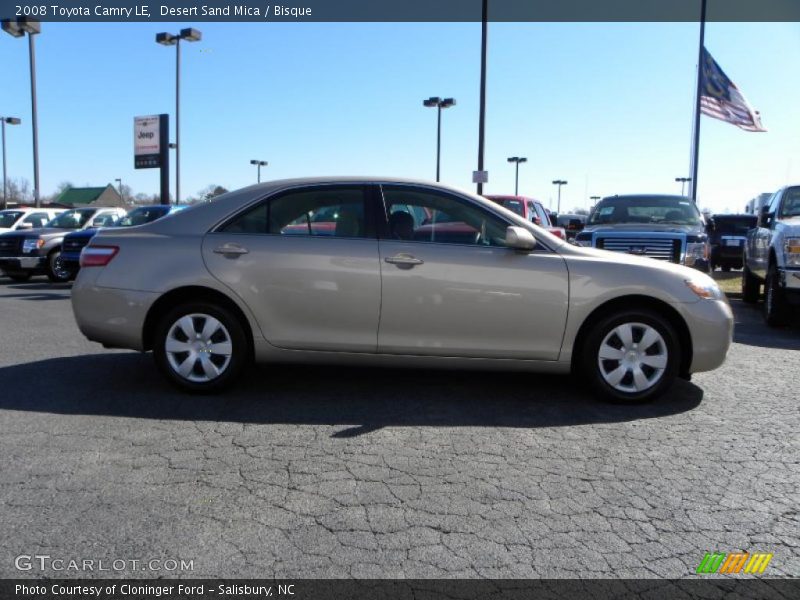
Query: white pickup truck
point(13, 219)
point(772, 257)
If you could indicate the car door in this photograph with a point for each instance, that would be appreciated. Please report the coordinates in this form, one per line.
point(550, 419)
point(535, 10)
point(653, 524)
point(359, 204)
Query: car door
point(451, 287)
point(759, 260)
point(305, 262)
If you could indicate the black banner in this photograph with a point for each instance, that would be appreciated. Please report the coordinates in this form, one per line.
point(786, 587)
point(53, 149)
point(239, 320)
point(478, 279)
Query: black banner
point(198, 11)
point(411, 589)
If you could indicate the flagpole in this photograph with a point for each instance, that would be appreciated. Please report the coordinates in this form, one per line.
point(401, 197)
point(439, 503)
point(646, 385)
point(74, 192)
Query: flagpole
point(696, 141)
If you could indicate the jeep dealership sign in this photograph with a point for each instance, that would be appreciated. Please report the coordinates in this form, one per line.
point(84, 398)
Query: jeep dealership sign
point(147, 141)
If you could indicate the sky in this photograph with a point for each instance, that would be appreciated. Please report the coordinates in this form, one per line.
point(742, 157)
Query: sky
point(606, 106)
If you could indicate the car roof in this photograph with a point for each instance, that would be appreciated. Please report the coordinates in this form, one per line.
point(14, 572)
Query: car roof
point(648, 197)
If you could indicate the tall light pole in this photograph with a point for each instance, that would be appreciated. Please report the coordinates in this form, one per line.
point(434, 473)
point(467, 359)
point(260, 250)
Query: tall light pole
point(119, 187)
point(10, 121)
point(439, 104)
point(482, 112)
point(167, 39)
point(517, 160)
point(594, 200)
point(259, 164)
point(683, 181)
point(19, 27)
point(559, 183)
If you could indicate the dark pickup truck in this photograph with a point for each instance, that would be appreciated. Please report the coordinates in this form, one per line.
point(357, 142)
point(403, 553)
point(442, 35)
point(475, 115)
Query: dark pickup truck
point(662, 227)
point(726, 236)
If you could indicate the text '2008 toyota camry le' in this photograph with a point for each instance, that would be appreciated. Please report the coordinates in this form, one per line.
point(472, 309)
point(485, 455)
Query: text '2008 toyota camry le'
point(391, 272)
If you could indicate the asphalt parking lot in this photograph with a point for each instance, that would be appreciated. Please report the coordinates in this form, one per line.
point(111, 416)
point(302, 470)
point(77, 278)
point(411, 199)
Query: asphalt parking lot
point(332, 472)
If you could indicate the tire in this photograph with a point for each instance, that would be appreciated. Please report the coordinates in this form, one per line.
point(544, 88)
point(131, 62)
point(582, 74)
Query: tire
point(55, 270)
point(775, 310)
point(228, 336)
point(660, 359)
point(751, 288)
point(19, 276)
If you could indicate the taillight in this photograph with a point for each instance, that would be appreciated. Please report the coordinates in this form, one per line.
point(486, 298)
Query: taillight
point(97, 256)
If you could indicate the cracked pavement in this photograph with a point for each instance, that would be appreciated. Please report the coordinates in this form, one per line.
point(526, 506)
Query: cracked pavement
point(334, 472)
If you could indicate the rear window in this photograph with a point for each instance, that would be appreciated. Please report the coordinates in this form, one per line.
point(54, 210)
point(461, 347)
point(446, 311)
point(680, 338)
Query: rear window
point(734, 225)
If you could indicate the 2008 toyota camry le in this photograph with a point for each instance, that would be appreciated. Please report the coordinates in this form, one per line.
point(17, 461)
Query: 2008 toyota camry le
point(391, 272)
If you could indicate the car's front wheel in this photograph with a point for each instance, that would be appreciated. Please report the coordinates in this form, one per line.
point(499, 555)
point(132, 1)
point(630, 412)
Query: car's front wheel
point(631, 356)
point(57, 272)
point(200, 347)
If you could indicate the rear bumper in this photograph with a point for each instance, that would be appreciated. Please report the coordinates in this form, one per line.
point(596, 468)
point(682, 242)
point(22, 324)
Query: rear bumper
point(112, 317)
point(22, 263)
point(710, 325)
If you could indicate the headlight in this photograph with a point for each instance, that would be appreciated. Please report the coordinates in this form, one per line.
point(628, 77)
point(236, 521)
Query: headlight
point(792, 249)
point(705, 289)
point(695, 251)
point(31, 244)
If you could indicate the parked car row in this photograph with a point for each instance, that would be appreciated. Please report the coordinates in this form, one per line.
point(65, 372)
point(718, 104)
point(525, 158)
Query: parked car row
point(52, 247)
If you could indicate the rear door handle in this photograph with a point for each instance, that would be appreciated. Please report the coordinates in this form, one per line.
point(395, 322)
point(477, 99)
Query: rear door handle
point(230, 250)
point(404, 260)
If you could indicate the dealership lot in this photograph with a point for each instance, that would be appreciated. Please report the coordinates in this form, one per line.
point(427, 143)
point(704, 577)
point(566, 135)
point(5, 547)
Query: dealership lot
point(332, 472)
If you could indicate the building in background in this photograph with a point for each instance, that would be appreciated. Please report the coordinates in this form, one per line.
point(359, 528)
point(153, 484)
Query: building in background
point(91, 196)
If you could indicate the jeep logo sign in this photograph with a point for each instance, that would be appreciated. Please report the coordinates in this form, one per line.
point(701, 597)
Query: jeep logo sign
point(147, 142)
point(145, 135)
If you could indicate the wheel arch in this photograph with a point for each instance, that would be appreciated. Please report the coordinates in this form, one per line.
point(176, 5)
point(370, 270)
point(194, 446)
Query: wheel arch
point(187, 294)
point(638, 302)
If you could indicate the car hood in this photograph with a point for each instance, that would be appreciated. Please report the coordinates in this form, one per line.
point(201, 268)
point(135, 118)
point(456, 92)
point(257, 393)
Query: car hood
point(46, 232)
point(81, 233)
point(643, 228)
point(791, 226)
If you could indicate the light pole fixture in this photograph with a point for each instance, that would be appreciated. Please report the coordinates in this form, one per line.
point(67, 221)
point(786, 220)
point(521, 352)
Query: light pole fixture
point(119, 187)
point(439, 104)
point(167, 39)
point(683, 181)
point(517, 160)
point(4, 121)
point(19, 27)
point(559, 183)
point(259, 164)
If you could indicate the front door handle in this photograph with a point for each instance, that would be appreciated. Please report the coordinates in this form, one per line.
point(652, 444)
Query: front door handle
point(231, 250)
point(404, 260)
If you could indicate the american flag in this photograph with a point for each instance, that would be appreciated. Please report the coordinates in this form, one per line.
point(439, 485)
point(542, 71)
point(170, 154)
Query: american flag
point(721, 99)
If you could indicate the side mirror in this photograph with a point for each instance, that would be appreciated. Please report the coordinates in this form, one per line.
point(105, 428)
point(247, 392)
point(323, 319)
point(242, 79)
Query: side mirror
point(25, 226)
point(764, 217)
point(520, 238)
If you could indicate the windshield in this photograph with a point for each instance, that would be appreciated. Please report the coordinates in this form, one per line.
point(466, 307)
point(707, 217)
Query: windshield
point(72, 219)
point(145, 214)
point(791, 203)
point(664, 210)
point(9, 217)
point(734, 225)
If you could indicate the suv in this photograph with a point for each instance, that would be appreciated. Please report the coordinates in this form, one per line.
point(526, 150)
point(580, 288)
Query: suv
point(531, 210)
point(74, 242)
point(15, 219)
point(726, 235)
point(772, 256)
point(667, 228)
point(39, 251)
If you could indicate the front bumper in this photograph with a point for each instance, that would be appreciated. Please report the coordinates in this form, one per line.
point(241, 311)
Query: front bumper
point(110, 316)
point(71, 260)
point(710, 324)
point(790, 282)
point(22, 263)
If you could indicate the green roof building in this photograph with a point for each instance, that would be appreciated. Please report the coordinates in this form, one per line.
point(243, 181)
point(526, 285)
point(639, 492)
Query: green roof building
point(91, 196)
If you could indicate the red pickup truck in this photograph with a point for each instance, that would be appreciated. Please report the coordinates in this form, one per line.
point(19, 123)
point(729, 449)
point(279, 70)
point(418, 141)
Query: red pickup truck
point(531, 210)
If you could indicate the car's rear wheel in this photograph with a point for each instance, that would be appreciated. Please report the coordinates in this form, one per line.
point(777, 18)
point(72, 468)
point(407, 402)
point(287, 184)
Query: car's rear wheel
point(56, 271)
point(200, 347)
point(751, 288)
point(19, 276)
point(631, 356)
point(775, 311)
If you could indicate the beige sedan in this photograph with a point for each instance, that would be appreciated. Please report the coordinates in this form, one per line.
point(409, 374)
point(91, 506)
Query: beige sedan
point(396, 273)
